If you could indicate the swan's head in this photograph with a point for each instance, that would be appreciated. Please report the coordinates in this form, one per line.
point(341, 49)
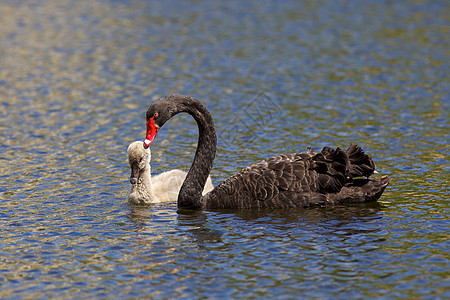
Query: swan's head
point(157, 114)
point(138, 158)
point(162, 110)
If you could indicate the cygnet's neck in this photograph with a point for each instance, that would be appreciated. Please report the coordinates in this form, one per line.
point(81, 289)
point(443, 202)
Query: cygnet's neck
point(142, 191)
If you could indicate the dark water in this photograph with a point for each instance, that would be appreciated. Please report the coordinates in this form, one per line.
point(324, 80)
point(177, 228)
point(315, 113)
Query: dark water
point(77, 76)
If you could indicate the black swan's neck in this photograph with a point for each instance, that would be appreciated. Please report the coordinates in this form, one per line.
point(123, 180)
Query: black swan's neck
point(190, 196)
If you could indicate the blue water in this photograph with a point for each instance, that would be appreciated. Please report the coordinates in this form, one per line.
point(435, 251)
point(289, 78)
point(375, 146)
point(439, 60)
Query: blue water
point(76, 78)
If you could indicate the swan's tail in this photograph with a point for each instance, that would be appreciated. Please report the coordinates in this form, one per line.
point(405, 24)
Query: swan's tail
point(379, 185)
point(360, 190)
point(355, 166)
point(372, 189)
point(362, 165)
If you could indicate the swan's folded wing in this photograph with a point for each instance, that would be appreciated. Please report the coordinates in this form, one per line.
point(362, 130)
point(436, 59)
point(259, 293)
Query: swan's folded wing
point(282, 181)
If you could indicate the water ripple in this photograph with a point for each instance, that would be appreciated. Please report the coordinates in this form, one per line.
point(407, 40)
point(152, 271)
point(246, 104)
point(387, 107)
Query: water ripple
point(77, 76)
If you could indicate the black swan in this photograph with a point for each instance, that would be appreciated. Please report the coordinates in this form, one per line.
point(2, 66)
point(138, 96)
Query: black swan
point(147, 189)
point(296, 180)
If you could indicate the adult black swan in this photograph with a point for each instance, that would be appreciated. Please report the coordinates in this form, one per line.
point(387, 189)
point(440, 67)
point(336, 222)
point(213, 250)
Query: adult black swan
point(285, 181)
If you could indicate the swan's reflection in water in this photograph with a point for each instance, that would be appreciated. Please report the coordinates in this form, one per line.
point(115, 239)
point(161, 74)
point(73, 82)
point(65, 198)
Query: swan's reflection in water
point(349, 219)
point(350, 226)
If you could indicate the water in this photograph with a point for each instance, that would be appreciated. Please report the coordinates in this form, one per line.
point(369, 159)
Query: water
point(77, 76)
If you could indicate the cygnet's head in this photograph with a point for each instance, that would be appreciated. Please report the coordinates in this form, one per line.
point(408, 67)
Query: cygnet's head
point(138, 158)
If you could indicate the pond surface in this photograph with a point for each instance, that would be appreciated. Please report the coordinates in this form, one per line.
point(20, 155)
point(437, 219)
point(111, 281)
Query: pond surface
point(76, 78)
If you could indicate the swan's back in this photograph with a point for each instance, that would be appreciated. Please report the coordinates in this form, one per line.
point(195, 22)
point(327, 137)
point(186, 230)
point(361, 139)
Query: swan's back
point(301, 180)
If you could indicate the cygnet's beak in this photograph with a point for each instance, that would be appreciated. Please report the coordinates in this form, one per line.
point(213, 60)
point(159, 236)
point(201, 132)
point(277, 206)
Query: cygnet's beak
point(134, 177)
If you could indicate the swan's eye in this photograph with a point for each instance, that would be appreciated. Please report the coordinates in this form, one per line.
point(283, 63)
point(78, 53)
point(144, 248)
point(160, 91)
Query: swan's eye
point(155, 115)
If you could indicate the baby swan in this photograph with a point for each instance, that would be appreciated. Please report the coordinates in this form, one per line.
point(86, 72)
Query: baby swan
point(146, 189)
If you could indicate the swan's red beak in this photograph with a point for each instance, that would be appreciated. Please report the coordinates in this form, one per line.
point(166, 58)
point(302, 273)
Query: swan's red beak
point(152, 130)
